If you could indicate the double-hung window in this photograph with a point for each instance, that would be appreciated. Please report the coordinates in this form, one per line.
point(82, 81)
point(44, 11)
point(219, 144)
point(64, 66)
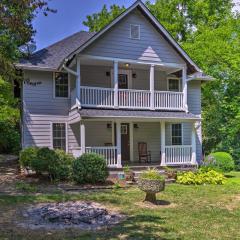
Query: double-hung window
point(59, 136)
point(174, 84)
point(177, 134)
point(61, 86)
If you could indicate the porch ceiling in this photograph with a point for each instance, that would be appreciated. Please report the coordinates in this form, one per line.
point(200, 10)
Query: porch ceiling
point(137, 114)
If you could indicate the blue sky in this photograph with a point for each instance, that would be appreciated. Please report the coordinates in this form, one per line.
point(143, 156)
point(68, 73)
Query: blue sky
point(68, 19)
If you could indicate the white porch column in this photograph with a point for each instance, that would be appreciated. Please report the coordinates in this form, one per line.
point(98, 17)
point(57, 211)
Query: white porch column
point(118, 141)
point(115, 73)
point(152, 87)
point(163, 155)
point(82, 137)
point(78, 82)
point(194, 147)
point(184, 86)
point(131, 140)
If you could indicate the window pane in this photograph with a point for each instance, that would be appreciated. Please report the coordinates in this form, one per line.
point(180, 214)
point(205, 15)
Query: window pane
point(173, 85)
point(61, 85)
point(59, 136)
point(177, 134)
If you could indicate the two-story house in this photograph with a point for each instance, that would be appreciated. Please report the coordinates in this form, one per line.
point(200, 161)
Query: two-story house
point(125, 90)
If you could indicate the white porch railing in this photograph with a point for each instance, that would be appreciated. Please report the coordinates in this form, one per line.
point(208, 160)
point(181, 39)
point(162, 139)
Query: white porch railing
point(131, 98)
point(175, 155)
point(168, 100)
point(97, 97)
point(109, 153)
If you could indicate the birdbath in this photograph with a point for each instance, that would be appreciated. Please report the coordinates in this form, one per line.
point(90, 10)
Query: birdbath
point(151, 182)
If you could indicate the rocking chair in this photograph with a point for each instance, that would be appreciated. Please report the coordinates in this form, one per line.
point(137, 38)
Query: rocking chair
point(143, 153)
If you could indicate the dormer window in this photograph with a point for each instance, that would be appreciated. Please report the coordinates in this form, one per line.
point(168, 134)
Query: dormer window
point(134, 31)
point(61, 85)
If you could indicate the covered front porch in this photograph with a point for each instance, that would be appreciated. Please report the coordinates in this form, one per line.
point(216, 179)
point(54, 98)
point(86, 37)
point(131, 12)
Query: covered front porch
point(119, 141)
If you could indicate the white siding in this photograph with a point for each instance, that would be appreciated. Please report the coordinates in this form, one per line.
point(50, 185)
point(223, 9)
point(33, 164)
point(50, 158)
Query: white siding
point(97, 134)
point(40, 108)
point(149, 133)
point(117, 43)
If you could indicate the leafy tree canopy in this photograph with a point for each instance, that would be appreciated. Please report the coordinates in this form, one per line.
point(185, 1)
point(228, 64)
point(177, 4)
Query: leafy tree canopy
point(97, 21)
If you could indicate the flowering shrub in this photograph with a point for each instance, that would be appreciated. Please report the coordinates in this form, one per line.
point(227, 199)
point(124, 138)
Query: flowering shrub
point(220, 161)
point(203, 176)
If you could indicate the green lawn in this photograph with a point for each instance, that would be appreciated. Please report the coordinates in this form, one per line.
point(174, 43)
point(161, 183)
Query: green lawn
point(190, 212)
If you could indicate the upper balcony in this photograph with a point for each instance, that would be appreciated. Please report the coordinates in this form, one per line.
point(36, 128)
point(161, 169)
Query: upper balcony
point(120, 84)
point(130, 99)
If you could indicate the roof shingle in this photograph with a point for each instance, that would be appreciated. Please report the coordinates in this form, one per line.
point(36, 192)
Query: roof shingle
point(52, 56)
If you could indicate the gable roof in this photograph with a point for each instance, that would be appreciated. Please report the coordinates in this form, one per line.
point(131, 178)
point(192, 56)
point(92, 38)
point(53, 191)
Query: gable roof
point(53, 57)
point(139, 5)
point(50, 58)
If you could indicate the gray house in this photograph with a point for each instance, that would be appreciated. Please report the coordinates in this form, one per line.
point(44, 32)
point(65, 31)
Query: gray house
point(128, 92)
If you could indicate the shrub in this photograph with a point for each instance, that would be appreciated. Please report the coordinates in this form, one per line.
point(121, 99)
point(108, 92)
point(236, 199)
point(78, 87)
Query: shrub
point(26, 156)
point(89, 168)
point(60, 168)
point(220, 161)
point(201, 177)
point(152, 174)
point(45, 157)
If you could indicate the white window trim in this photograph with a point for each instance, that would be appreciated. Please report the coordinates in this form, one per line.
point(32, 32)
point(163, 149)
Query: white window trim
point(66, 133)
point(130, 35)
point(54, 86)
point(176, 78)
point(171, 133)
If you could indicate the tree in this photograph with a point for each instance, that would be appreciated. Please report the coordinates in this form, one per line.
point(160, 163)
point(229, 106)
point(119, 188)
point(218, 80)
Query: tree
point(217, 51)
point(15, 30)
point(97, 21)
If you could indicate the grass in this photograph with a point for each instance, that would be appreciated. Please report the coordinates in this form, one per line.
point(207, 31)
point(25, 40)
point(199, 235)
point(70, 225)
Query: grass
point(189, 212)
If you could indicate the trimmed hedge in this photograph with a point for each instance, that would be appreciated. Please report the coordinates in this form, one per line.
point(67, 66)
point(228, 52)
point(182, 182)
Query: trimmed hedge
point(61, 167)
point(220, 161)
point(44, 160)
point(90, 168)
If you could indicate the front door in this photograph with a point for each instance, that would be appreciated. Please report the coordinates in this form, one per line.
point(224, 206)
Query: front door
point(125, 143)
point(123, 81)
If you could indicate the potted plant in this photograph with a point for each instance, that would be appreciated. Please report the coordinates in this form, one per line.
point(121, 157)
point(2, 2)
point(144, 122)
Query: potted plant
point(128, 173)
point(151, 182)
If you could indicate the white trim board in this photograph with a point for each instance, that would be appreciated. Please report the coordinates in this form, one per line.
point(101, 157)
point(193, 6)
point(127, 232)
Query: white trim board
point(66, 133)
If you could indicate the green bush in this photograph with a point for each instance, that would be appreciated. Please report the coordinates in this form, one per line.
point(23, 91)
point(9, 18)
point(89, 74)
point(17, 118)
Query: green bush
point(9, 137)
point(220, 161)
point(152, 174)
point(90, 168)
point(27, 155)
point(202, 176)
point(60, 168)
point(45, 157)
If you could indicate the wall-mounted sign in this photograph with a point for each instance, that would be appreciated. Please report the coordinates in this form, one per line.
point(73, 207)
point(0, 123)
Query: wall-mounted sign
point(28, 82)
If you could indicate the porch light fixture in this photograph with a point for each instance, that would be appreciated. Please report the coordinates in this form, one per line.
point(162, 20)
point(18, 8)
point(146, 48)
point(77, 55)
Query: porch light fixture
point(109, 125)
point(135, 125)
point(127, 65)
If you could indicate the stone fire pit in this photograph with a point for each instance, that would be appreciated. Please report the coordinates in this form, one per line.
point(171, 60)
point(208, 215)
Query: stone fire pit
point(83, 215)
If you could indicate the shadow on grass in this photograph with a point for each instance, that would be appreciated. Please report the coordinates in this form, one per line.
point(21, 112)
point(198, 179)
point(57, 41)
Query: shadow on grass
point(136, 227)
point(229, 176)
